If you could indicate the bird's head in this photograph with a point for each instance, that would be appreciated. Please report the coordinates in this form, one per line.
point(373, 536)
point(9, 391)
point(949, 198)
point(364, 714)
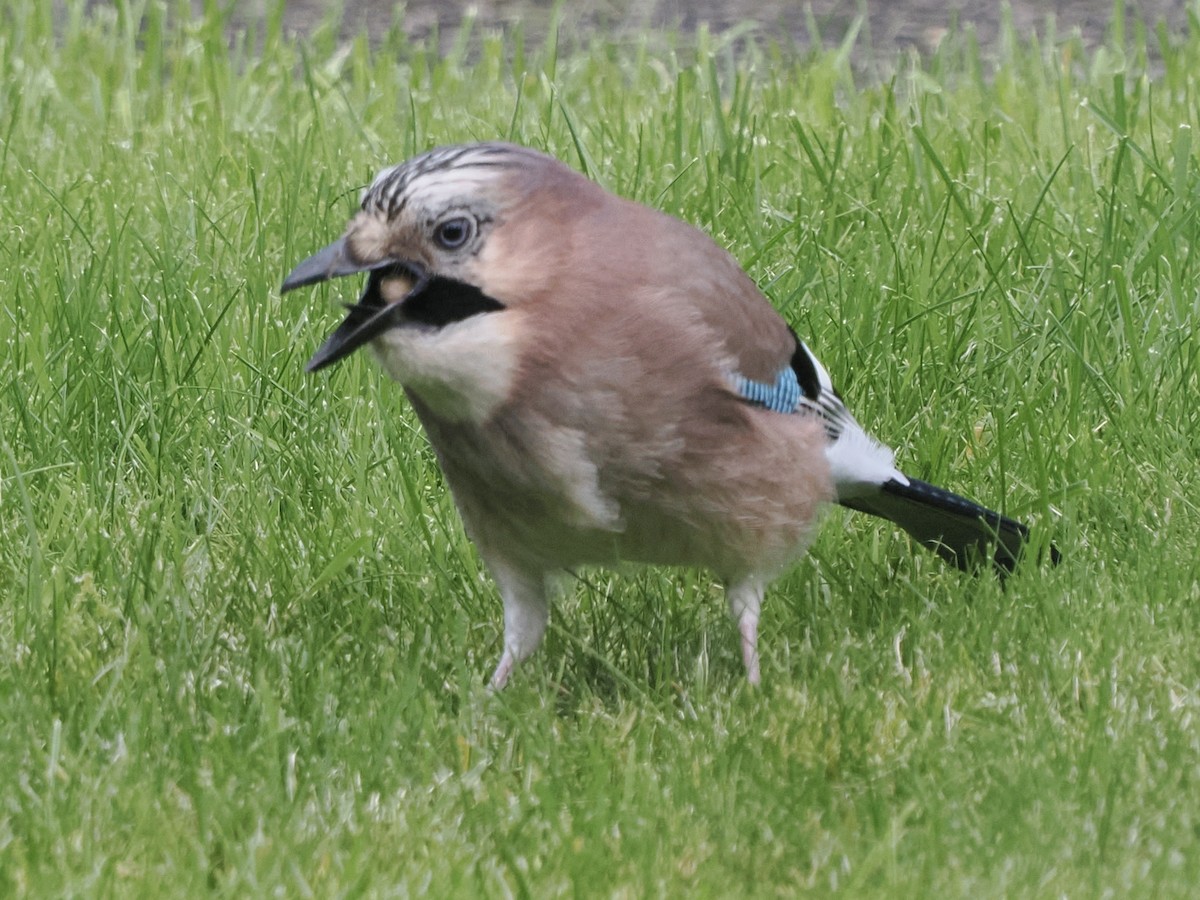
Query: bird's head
point(441, 239)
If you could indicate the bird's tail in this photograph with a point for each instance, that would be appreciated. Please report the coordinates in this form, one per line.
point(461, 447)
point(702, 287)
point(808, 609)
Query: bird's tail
point(959, 530)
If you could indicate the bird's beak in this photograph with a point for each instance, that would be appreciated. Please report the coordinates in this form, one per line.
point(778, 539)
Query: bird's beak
point(372, 314)
point(332, 262)
point(398, 292)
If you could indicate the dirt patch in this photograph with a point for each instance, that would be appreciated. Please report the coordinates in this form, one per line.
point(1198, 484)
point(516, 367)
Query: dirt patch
point(886, 26)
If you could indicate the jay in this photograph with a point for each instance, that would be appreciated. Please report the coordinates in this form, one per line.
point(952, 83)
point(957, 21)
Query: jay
point(602, 383)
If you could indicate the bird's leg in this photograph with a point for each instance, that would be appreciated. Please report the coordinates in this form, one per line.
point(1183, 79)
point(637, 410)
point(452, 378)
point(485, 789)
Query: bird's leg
point(526, 612)
point(745, 597)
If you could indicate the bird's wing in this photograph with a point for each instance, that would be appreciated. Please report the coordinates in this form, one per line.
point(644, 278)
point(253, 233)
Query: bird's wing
point(770, 367)
point(959, 530)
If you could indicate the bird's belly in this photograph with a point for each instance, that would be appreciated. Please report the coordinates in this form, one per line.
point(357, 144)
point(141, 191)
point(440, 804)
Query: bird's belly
point(543, 492)
point(762, 533)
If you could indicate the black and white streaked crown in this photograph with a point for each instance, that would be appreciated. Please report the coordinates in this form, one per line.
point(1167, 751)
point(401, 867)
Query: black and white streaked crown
point(439, 174)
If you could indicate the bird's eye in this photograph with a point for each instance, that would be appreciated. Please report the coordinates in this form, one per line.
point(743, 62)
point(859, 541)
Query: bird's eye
point(453, 233)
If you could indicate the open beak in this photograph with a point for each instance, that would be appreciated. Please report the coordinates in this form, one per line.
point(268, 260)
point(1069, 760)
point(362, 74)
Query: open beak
point(398, 292)
point(372, 314)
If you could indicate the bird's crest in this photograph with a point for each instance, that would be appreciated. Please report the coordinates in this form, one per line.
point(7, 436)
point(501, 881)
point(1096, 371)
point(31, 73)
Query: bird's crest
point(436, 175)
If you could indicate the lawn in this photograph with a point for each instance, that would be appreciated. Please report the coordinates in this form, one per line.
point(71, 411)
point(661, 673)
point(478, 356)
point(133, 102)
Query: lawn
point(244, 640)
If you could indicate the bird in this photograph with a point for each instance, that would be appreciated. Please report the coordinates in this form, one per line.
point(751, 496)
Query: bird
point(603, 384)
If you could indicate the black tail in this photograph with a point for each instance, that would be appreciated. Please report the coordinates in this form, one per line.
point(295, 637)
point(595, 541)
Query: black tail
point(959, 530)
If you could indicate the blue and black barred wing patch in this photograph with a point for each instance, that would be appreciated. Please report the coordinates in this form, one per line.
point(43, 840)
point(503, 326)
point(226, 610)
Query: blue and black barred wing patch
point(782, 396)
point(804, 386)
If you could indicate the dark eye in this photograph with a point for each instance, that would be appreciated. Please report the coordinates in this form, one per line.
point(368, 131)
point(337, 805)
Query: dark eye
point(453, 233)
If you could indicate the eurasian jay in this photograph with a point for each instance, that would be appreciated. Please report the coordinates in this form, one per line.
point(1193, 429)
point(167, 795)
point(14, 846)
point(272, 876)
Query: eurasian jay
point(602, 383)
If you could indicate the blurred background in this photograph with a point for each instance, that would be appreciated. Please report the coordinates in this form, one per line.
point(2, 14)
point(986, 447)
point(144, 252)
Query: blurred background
point(885, 25)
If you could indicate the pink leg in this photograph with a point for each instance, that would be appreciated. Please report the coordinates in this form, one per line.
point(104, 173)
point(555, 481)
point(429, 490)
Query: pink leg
point(745, 597)
point(748, 626)
point(526, 612)
point(503, 670)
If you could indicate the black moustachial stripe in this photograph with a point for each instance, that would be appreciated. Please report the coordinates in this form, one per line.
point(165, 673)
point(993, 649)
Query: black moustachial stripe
point(444, 301)
point(434, 302)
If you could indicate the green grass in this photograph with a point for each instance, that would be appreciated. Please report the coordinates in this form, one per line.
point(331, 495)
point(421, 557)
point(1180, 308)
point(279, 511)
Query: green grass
point(242, 635)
